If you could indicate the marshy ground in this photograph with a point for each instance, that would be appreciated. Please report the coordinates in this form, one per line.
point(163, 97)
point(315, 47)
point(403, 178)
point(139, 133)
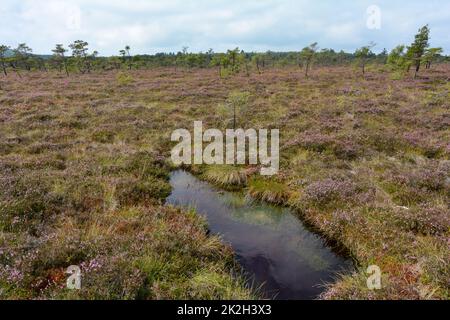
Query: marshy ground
point(84, 174)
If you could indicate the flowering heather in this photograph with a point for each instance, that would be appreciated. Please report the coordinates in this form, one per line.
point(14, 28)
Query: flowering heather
point(12, 275)
point(91, 266)
point(327, 191)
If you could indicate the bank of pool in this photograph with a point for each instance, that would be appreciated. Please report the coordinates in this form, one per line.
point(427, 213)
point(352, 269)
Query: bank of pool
point(278, 253)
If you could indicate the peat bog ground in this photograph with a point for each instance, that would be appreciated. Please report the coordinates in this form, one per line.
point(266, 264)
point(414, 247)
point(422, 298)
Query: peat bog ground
point(84, 174)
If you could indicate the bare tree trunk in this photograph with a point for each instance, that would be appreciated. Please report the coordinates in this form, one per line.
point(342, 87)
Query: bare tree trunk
point(234, 118)
point(4, 69)
point(27, 66)
point(417, 70)
point(16, 71)
point(43, 66)
point(65, 67)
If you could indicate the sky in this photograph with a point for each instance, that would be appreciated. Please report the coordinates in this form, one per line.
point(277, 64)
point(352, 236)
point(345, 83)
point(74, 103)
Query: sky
point(151, 26)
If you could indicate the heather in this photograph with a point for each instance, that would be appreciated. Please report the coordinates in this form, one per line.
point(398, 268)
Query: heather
point(85, 164)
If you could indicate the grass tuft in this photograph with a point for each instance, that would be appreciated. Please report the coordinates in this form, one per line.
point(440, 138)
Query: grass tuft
point(226, 176)
point(268, 191)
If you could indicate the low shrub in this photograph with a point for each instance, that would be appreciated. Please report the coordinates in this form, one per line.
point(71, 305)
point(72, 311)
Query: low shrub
point(133, 191)
point(124, 79)
point(330, 193)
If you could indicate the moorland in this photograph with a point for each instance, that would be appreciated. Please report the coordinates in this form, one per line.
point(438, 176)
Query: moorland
point(85, 163)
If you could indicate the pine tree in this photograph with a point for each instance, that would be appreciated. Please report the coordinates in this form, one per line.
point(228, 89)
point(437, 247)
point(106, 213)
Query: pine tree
point(3, 50)
point(430, 55)
point(418, 48)
point(307, 56)
point(79, 52)
point(60, 58)
point(363, 54)
point(22, 55)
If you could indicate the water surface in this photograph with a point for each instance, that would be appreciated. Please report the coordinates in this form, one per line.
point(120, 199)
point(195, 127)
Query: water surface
point(278, 253)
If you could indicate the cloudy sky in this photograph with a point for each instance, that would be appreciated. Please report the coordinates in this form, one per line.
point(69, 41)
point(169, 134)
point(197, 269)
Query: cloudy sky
point(151, 26)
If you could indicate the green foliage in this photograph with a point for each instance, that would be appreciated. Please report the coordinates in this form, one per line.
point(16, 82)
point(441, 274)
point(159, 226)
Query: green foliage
point(80, 55)
point(362, 56)
point(124, 79)
point(307, 56)
point(59, 58)
point(3, 50)
point(236, 106)
point(418, 48)
point(268, 191)
point(126, 57)
point(258, 60)
point(230, 63)
point(226, 176)
point(233, 61)
point(214, 284)
point(22, 55)
point(430, 55)
point(398, 61)
point(113, 63)
point(417, 54)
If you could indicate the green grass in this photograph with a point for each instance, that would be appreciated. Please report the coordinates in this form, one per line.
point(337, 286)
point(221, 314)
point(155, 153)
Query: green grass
point(268, 191)
point(226, 176)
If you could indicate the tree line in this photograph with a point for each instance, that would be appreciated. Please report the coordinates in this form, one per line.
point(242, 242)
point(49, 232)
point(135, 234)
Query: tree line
point(80, 60)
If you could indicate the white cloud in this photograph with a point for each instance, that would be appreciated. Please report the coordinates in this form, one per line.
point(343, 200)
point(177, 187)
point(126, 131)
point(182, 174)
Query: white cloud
point(155, 25)
point(45, 13)
point(344, 31)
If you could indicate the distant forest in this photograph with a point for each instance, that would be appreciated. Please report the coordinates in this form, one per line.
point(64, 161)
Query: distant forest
point(79, 58)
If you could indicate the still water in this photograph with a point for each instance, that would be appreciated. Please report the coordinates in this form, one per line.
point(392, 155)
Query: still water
point(278, 253)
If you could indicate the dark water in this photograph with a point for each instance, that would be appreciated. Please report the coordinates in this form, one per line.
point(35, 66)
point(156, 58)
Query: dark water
point(271, 244)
